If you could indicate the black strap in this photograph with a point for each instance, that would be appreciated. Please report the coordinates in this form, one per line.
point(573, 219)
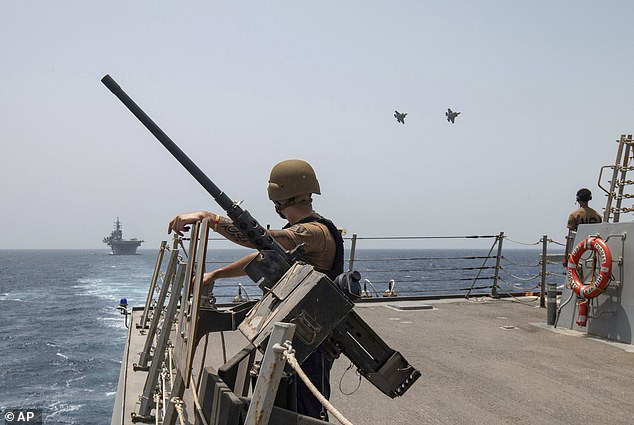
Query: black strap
point(337, 265)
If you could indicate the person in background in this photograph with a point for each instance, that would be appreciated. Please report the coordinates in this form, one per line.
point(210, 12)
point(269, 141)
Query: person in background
point(582, 215)
point(291, 186)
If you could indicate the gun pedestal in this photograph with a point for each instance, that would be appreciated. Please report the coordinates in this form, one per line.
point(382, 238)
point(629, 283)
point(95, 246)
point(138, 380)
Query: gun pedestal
point(304, 297)
point(323, 314)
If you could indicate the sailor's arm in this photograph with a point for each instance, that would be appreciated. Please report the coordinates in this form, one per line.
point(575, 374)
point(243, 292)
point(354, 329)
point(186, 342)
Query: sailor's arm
point(283, 238)
point(181, 222)
point(225, 227)
point(571, 226)
point(218, 223)
point(569, 237)
point(234, 269)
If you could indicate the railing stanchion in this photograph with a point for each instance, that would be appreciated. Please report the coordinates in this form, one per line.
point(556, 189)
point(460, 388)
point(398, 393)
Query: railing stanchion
point(551, 312)
point(542, 285)
point(498, 257)
point(353, 247)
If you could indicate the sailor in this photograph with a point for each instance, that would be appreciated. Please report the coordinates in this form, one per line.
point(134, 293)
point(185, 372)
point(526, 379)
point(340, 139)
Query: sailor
point(582, 215)
point(291, 186)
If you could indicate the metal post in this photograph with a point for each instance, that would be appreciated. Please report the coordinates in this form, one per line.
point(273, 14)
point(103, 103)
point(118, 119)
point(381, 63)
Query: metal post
point(178, 385)
point(151, 379)
point(178, 389)
point(150, 294)
point(353, 248)
point(623, 169)
point(615, 173)
point(494, 289)
point(145, 356)
point(191, 317)
point(542, 286)
point(186, 292)
point(269, 376)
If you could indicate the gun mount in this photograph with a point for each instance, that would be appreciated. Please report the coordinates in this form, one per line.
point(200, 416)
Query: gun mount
point(324, 318)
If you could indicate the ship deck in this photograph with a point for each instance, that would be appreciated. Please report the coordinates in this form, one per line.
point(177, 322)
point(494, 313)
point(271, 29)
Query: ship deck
point(493, 362)
point(482, 360)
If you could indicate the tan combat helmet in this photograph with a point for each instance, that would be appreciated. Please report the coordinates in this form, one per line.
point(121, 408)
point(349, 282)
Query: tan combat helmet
point(292, 178)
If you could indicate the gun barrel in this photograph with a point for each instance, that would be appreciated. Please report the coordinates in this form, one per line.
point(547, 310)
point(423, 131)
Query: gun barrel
point(243, 220)
point(223, 200)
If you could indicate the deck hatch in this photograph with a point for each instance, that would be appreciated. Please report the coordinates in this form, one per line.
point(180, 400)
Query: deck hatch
point(411, 306)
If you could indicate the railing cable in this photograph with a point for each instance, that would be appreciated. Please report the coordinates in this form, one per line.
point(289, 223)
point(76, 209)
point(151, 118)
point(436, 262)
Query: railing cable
point(524, 279)
point(478, 275)
point(523, 243)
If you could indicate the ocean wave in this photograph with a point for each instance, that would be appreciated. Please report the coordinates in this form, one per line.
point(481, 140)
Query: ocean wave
point(113, 322)
point(116, 317)
point(89, 280)
point(6, 296)
point(101, 292)
point(62, 355)
point(61, 407)
point(109, 289)
point(70, 381)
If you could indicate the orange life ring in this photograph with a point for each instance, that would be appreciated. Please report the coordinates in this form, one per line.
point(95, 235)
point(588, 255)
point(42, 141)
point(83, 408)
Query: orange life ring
point(599, 246)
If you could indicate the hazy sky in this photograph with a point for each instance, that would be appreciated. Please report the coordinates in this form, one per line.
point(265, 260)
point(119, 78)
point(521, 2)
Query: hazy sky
point(545, 88)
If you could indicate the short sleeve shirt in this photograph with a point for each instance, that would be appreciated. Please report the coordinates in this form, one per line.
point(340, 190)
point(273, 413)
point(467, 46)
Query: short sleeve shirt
point(319, 245)
point(582, 216)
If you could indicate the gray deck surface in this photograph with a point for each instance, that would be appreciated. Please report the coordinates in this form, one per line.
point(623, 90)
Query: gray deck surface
point(474, 371)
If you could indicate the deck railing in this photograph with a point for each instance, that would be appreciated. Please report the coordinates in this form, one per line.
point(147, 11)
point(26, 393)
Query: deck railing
point(420, 270)
point(465, 266)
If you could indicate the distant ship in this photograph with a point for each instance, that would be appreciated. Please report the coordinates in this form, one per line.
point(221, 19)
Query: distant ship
point(119, 245)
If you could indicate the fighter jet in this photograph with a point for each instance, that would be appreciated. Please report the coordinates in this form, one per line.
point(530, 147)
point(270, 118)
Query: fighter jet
point(400, 117)
point(451, 115)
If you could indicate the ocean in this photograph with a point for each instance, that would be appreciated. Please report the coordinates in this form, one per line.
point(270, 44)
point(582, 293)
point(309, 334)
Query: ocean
point(63, 337)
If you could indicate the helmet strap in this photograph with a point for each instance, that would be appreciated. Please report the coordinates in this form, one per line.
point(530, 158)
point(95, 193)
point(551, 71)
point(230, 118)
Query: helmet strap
point(279, 211)
point(279, 205)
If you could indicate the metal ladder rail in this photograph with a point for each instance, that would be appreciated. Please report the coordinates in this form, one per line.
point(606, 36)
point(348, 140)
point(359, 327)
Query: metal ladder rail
point(624, 169)
point(150, 295)
point(620, 165)
point(145, 356)
point(185, 364)
point(185, 337)
point(185, 304)
point(152, 377)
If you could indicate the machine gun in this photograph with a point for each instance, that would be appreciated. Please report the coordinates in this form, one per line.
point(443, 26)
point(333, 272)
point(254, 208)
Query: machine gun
point(294, 293)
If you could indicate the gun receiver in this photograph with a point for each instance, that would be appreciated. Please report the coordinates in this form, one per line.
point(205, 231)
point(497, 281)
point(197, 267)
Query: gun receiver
point(274, 259)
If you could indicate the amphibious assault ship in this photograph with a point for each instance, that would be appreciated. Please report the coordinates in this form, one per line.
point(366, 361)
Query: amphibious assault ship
point(119, 245)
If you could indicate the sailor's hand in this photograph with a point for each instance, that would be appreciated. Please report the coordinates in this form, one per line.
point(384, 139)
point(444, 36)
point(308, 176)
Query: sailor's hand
point(208, 279)
point(181, 222)
point(206, 286)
